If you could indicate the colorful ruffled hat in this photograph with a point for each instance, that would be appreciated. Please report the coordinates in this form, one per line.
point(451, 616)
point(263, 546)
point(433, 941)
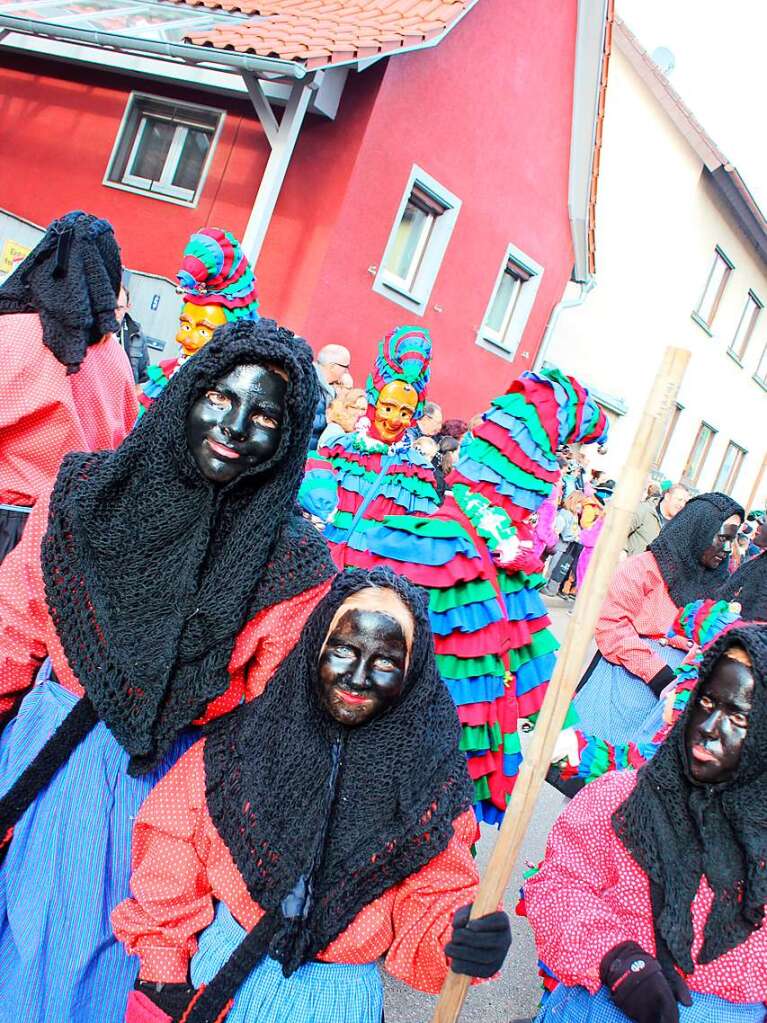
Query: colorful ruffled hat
point(215, 271)
point(510, 457)
point(404, 354)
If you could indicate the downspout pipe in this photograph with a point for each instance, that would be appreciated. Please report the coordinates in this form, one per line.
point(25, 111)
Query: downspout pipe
point(566, 303)
point(185, 52)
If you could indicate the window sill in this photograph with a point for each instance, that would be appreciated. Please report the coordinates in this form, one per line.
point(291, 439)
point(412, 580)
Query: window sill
point(762, 383)
point(735, 357)
point(188, 203)
point(394, 293)
point(494, 348)
point(702, 323)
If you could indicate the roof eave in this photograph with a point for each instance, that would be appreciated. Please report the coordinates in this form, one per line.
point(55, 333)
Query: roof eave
point(179, 52)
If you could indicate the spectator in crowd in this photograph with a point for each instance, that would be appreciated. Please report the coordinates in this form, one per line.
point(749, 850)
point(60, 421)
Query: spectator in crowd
point(652, 515)
point(448, 452)
point(132, 336)
point(454, 428)
point(343, 413)
point(654, 492)
point(567, 528)
point(332, 363)
point(430, 423)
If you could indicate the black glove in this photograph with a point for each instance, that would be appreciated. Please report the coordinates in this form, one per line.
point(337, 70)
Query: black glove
point(640, 988)
point(659, 682)
point(478, 947)
point(173, 999)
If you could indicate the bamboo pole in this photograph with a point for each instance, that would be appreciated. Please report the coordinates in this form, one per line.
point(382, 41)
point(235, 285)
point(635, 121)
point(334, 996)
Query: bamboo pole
point(567, 672)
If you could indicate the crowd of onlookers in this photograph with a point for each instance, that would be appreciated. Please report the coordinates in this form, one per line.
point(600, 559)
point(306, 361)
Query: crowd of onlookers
point(568, 525)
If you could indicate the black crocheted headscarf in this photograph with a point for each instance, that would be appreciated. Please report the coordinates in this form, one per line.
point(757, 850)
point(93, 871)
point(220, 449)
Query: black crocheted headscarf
point(331, 817)
point(748, 586)
point(679, 831)
point(151, 571)
point(71, 279)
point(680, 543)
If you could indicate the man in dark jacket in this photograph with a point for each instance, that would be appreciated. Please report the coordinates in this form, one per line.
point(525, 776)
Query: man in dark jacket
point(132, 338)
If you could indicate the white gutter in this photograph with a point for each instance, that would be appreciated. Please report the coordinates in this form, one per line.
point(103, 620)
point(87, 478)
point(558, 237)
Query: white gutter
point(566, 303)
point(172, 51)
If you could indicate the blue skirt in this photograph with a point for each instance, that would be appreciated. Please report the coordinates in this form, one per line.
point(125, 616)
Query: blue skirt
point(576, 1005)
point(315, 993)
point(619, 707)
point(67, 867)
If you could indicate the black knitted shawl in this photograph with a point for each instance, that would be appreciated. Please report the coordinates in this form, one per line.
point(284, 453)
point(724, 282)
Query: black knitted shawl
point(680, 543)
point(151, 571)
point(748, 586)
point(71, 279)
point(679, 831)
point(322, 819)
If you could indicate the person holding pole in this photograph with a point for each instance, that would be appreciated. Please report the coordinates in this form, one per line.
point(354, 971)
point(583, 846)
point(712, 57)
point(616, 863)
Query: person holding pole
point(265, 888)
point(650, 901)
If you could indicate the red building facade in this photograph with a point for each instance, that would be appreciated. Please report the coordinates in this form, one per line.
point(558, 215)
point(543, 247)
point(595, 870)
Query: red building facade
point(487, 114)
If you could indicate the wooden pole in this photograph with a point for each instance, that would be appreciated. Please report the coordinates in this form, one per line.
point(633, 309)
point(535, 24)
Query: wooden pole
point(567, 672)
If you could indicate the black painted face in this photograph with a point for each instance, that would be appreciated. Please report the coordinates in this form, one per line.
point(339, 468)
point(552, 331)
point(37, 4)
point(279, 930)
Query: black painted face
point(236, 424)
point(362, 666)
point(718, 724)
point(721, 548)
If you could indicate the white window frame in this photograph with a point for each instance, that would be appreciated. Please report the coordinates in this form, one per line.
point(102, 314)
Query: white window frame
point(741, 339)
point(707, 322)
point(727, 485)
point(136, 113)
point(413, 293)
point(506, 342)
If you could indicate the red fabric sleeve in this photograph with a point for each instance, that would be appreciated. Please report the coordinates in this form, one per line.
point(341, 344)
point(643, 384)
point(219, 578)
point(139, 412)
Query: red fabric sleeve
point(261, 646)
point(172, 901)
point(23, 612)
point(631, 591)
point(423, 909)
point(574, 925)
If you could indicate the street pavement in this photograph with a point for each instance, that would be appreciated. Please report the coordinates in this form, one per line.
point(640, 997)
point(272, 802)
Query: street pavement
point(515, 995)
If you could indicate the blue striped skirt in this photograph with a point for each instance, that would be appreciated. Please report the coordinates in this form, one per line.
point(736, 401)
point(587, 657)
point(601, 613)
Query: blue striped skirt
point(618, 707)
point(67, 867)
point(576, 1005)
point(315, 993)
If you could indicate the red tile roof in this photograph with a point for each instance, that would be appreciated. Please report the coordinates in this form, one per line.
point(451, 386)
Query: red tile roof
point(318, 33)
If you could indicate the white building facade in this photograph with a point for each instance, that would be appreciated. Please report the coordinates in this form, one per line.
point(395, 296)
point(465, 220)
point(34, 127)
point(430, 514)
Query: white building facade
point(682, 261)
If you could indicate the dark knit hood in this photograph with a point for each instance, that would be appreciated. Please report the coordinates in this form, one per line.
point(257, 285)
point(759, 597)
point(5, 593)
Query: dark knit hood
point(151, 571)
point(681, 542)
point(71, 279)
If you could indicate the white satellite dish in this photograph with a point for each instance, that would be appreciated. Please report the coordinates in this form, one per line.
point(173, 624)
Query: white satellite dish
point(664, 58)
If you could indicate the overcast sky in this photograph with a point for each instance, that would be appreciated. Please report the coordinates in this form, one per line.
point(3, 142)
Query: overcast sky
point(720, 70)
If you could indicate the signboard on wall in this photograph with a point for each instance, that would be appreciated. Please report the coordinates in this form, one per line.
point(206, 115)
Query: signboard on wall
point(11, 254)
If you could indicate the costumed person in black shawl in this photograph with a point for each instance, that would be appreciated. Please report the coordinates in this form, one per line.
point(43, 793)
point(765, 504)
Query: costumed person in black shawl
point(619, 698)
point(175, 575)
point(748, 585)
point(65, 382)
point(349, 841)
point(649, 905)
